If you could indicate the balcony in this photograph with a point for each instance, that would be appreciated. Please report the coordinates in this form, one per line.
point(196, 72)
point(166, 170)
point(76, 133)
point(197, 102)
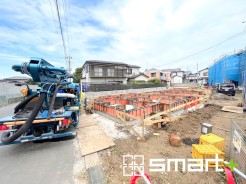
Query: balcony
point(163, 78)
point(108, 75)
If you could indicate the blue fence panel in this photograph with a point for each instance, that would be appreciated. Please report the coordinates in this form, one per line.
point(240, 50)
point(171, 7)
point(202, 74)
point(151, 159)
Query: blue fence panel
point(242, 57)
point(228, 69)
point(244, 86)
point(232, 65)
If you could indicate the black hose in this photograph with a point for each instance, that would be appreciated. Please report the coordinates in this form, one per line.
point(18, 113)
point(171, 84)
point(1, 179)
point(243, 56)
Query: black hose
point(53, 101)
point(7, 138)
point(24, 102)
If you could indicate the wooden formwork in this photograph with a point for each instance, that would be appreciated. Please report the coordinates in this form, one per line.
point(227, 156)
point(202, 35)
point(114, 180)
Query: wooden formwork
point(125, 117)
point(150, 107)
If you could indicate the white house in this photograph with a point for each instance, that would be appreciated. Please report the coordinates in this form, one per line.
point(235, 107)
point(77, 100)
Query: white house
point(192, 77)
point(177, 77)
point(203, 76)
point(141, 77)
point(95, 71)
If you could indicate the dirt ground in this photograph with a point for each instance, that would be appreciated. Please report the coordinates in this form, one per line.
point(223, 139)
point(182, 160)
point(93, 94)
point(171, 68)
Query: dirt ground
point(157, 146)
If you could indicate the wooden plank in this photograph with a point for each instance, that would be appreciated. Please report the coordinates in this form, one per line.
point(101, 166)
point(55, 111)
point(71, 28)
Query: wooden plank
point(231, 117)
point(148, 120)
point(168, 119)
point(137, 134)
point(92, 139)
point(233, 109)
point(183, 105)
point(157, 115)
point(12, 123)
point(84, 121)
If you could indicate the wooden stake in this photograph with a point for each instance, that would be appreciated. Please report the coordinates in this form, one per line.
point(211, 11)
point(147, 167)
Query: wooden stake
point(13, 123)
point(142, 128)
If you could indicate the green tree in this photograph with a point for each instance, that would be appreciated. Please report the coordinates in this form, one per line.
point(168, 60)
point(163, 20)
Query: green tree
point(77, 75)
point(155, 81)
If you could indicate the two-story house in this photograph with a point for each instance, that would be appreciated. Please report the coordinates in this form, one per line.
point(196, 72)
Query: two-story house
point(177, 76)
point(173, 75)
point(96, 71)
point(192, 77)
point(167, 75)
point(203, 76)
point(155, 74)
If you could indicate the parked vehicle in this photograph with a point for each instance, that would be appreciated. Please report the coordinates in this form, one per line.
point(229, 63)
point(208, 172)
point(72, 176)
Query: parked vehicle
point(50, 112)
point(227, 89)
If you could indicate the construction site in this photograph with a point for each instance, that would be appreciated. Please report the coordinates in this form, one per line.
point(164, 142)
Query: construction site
point(176, 123)
point(122, 92)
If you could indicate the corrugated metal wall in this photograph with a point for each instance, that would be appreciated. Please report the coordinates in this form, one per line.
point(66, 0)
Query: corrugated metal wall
point(228, 69)
point(9, 91)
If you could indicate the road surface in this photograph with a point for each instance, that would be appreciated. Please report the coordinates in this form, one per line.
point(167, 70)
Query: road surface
point(49, 162)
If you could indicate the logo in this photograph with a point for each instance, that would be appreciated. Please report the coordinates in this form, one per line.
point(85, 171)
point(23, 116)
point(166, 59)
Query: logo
point(231, 165)
point(132, 164)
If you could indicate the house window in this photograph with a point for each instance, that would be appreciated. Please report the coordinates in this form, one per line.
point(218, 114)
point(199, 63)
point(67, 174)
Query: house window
point(153, 74)
point(110, 72)
point(161, 74)
point(98, 71)
point(129, 71)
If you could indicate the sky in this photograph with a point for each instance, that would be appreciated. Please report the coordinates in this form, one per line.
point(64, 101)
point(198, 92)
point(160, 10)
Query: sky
point(151, 34)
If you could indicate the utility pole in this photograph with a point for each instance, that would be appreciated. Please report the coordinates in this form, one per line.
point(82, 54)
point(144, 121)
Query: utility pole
point(187, 75)
point(197, 73)
point(68, 58)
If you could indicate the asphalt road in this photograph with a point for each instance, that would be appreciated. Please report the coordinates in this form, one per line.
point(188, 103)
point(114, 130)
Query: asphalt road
point(37, 163)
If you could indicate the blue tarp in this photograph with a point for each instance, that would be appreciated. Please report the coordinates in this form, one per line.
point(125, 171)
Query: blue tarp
point(244, 85)
point(228, 69)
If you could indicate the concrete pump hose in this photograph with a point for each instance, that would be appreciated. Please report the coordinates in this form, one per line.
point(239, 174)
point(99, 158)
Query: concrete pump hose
point(7, 138)
point(53, 101)
point(24, 102)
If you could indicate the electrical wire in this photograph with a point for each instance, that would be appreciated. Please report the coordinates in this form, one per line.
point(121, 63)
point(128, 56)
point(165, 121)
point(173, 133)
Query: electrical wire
point(203, 50)
point(66, 21)
point(53, 18)
point(67, 31)
point(61, 31)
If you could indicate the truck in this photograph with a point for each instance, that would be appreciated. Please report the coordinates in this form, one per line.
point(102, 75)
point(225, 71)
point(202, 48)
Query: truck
point(51, 111)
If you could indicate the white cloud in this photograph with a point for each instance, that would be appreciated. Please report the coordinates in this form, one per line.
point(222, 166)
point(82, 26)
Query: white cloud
point(135, 31)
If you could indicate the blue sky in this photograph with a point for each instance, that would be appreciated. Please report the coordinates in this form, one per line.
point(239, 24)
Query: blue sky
point(143, 32)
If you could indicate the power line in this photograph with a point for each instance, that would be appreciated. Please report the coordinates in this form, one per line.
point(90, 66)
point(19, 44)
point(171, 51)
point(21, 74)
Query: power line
point(66, 21)
point(215, 60)
point(203, 50)
point(66, 36)
point(53, 17)
point(61, 31)
point(67, 31)
point(66, 47)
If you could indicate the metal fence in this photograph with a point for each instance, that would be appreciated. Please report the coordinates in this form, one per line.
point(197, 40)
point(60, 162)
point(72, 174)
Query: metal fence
point(98, 87)
point(238, 145)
